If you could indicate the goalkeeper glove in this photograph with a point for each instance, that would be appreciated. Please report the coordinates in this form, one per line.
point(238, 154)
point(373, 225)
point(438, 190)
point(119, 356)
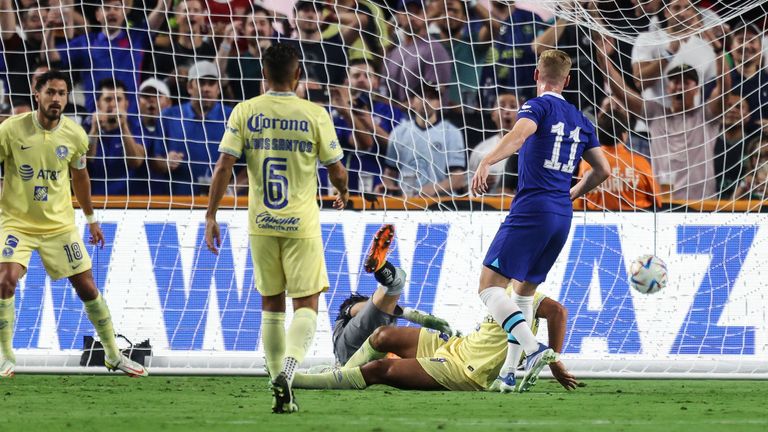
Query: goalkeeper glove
point(427, 320)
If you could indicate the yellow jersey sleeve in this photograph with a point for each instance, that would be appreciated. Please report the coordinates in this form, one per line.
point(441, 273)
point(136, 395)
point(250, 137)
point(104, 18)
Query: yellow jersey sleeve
point(232, 141)
point(79, 161)
point(329, 150)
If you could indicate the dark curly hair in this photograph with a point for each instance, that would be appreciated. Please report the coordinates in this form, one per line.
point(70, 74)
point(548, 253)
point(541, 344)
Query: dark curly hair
point(347, 304)
point(52, 75)
point(281, 60)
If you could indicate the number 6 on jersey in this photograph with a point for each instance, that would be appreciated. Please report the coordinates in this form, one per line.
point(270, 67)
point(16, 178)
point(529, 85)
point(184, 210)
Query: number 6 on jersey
point(275, 182)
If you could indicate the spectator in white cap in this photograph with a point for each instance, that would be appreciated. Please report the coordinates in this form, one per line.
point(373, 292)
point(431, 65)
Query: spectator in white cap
point(154, 96)
point(191, 133)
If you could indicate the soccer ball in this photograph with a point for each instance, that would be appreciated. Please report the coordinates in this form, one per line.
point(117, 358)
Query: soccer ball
point(648, 274)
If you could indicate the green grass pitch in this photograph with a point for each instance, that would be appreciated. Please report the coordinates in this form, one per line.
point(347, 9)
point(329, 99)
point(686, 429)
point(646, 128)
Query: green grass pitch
point(107, 403)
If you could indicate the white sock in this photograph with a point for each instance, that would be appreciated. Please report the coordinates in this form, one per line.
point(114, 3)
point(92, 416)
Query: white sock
point(525, 303)
point(514, 350)
point(510, 318)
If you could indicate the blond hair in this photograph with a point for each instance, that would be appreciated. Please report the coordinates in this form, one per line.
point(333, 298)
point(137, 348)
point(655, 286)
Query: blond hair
point(554, 66)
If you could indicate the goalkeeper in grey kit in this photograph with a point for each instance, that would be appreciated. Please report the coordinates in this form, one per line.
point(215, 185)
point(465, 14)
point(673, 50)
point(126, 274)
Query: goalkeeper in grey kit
point(359, 315)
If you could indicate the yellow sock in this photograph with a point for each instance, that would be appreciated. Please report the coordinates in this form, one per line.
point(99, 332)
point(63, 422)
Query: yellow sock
point(7, 316)
point(341, 379)
point(365, 354)
point(273, 340)
point(301, 332)
point(98, 313)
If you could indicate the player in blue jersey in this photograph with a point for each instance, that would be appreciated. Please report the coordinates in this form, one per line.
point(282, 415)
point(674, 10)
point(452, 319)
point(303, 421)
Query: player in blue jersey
point(551, 136)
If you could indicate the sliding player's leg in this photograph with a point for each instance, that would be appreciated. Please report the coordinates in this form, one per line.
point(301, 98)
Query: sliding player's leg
point(358, 319)
point(406, 342)
point(392, 279)
point(401, 341)
point(406, 374)
point(10, 272)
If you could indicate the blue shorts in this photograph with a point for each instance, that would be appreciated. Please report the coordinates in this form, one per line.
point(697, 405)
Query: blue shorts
point(526, 246)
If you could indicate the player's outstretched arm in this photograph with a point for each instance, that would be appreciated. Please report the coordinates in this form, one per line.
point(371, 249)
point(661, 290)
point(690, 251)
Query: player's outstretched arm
point(338, 176)
point(81, 184)
point(508, 145)
point(557, 318)
point(221, 176)
point(427, 320)
point(592, 179)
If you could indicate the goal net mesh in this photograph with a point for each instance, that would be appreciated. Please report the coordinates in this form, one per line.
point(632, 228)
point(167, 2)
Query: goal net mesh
point(419, 93)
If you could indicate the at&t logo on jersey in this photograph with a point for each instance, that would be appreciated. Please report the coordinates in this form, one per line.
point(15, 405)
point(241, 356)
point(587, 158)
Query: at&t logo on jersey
point(45, 174)
point(26, 172)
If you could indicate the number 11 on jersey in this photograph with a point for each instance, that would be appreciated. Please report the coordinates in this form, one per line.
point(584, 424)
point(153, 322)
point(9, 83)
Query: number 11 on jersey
point(554, 164)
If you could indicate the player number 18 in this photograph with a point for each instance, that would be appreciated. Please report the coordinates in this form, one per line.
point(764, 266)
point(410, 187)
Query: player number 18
point(553, 163)
point(73, 252)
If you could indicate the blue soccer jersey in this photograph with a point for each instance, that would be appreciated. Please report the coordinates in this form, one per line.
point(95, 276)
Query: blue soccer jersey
point(549, 158)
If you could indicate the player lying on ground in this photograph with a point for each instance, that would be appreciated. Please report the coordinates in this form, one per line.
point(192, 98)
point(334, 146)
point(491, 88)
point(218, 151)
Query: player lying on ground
point(430, 360)
point(359, 315)
point(40, 151)
point(468, 363)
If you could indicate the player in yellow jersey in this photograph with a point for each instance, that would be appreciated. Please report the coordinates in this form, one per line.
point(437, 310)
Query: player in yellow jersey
point(430, 360)
point(282, 138)
point(41, 151)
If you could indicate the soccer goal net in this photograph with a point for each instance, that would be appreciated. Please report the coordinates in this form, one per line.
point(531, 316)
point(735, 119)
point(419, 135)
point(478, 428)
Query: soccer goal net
point(419, 92)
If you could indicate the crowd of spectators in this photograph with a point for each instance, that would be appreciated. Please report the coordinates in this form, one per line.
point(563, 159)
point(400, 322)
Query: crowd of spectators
point(419, 90)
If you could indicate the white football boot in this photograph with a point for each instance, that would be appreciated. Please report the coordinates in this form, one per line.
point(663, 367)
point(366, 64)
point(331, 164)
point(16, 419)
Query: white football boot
point(127, 366)
point(7, 369)
point(534, 363)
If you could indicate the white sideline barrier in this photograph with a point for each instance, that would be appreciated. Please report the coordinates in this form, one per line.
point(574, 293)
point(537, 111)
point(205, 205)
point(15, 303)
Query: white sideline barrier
point(160, 285)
